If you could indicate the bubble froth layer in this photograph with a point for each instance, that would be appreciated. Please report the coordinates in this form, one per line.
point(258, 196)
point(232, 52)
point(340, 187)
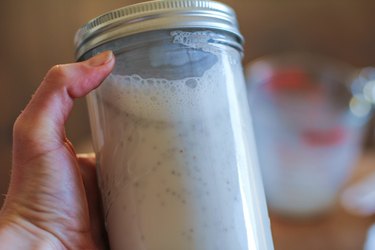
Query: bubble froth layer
point(160, 99)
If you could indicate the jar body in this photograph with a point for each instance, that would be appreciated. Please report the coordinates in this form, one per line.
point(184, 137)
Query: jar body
point(177, 165)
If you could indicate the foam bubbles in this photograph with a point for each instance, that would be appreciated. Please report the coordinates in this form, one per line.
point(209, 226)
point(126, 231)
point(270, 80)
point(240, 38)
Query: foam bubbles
point(192, 83)
point(173, 82)
point(197, 40)
point(166, 100)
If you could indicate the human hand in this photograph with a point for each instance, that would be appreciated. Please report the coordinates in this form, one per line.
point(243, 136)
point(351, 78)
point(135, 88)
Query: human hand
point(52, 201)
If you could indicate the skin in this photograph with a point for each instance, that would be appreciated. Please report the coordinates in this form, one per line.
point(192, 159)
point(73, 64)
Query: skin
point(53, 200)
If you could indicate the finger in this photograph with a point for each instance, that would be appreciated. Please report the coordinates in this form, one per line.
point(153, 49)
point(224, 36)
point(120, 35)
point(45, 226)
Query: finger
point(40, 127)
point(87, 165)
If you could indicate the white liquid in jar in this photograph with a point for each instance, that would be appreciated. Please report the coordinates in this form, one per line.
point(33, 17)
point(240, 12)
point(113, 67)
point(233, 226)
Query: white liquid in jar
point(169, 169)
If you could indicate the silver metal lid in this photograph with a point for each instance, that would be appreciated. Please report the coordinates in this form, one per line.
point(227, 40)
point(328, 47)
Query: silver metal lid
point(155, 15)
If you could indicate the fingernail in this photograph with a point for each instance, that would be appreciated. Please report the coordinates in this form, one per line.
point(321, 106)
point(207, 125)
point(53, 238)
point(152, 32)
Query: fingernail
point(100, 59)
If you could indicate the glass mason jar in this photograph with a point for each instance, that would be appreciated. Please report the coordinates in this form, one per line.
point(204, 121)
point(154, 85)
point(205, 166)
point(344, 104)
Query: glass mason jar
point(177, 164)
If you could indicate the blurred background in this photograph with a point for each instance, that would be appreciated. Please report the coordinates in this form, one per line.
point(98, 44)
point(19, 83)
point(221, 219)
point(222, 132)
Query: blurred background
point(39, 34)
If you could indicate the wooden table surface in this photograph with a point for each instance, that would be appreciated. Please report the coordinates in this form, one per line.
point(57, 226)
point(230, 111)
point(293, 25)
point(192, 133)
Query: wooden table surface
point(338, 230)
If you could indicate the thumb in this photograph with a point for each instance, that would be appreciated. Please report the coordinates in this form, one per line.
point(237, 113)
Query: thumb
point(40, 127)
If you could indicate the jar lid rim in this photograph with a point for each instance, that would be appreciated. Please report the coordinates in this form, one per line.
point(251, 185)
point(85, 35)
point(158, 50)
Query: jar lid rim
point(156, 15)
